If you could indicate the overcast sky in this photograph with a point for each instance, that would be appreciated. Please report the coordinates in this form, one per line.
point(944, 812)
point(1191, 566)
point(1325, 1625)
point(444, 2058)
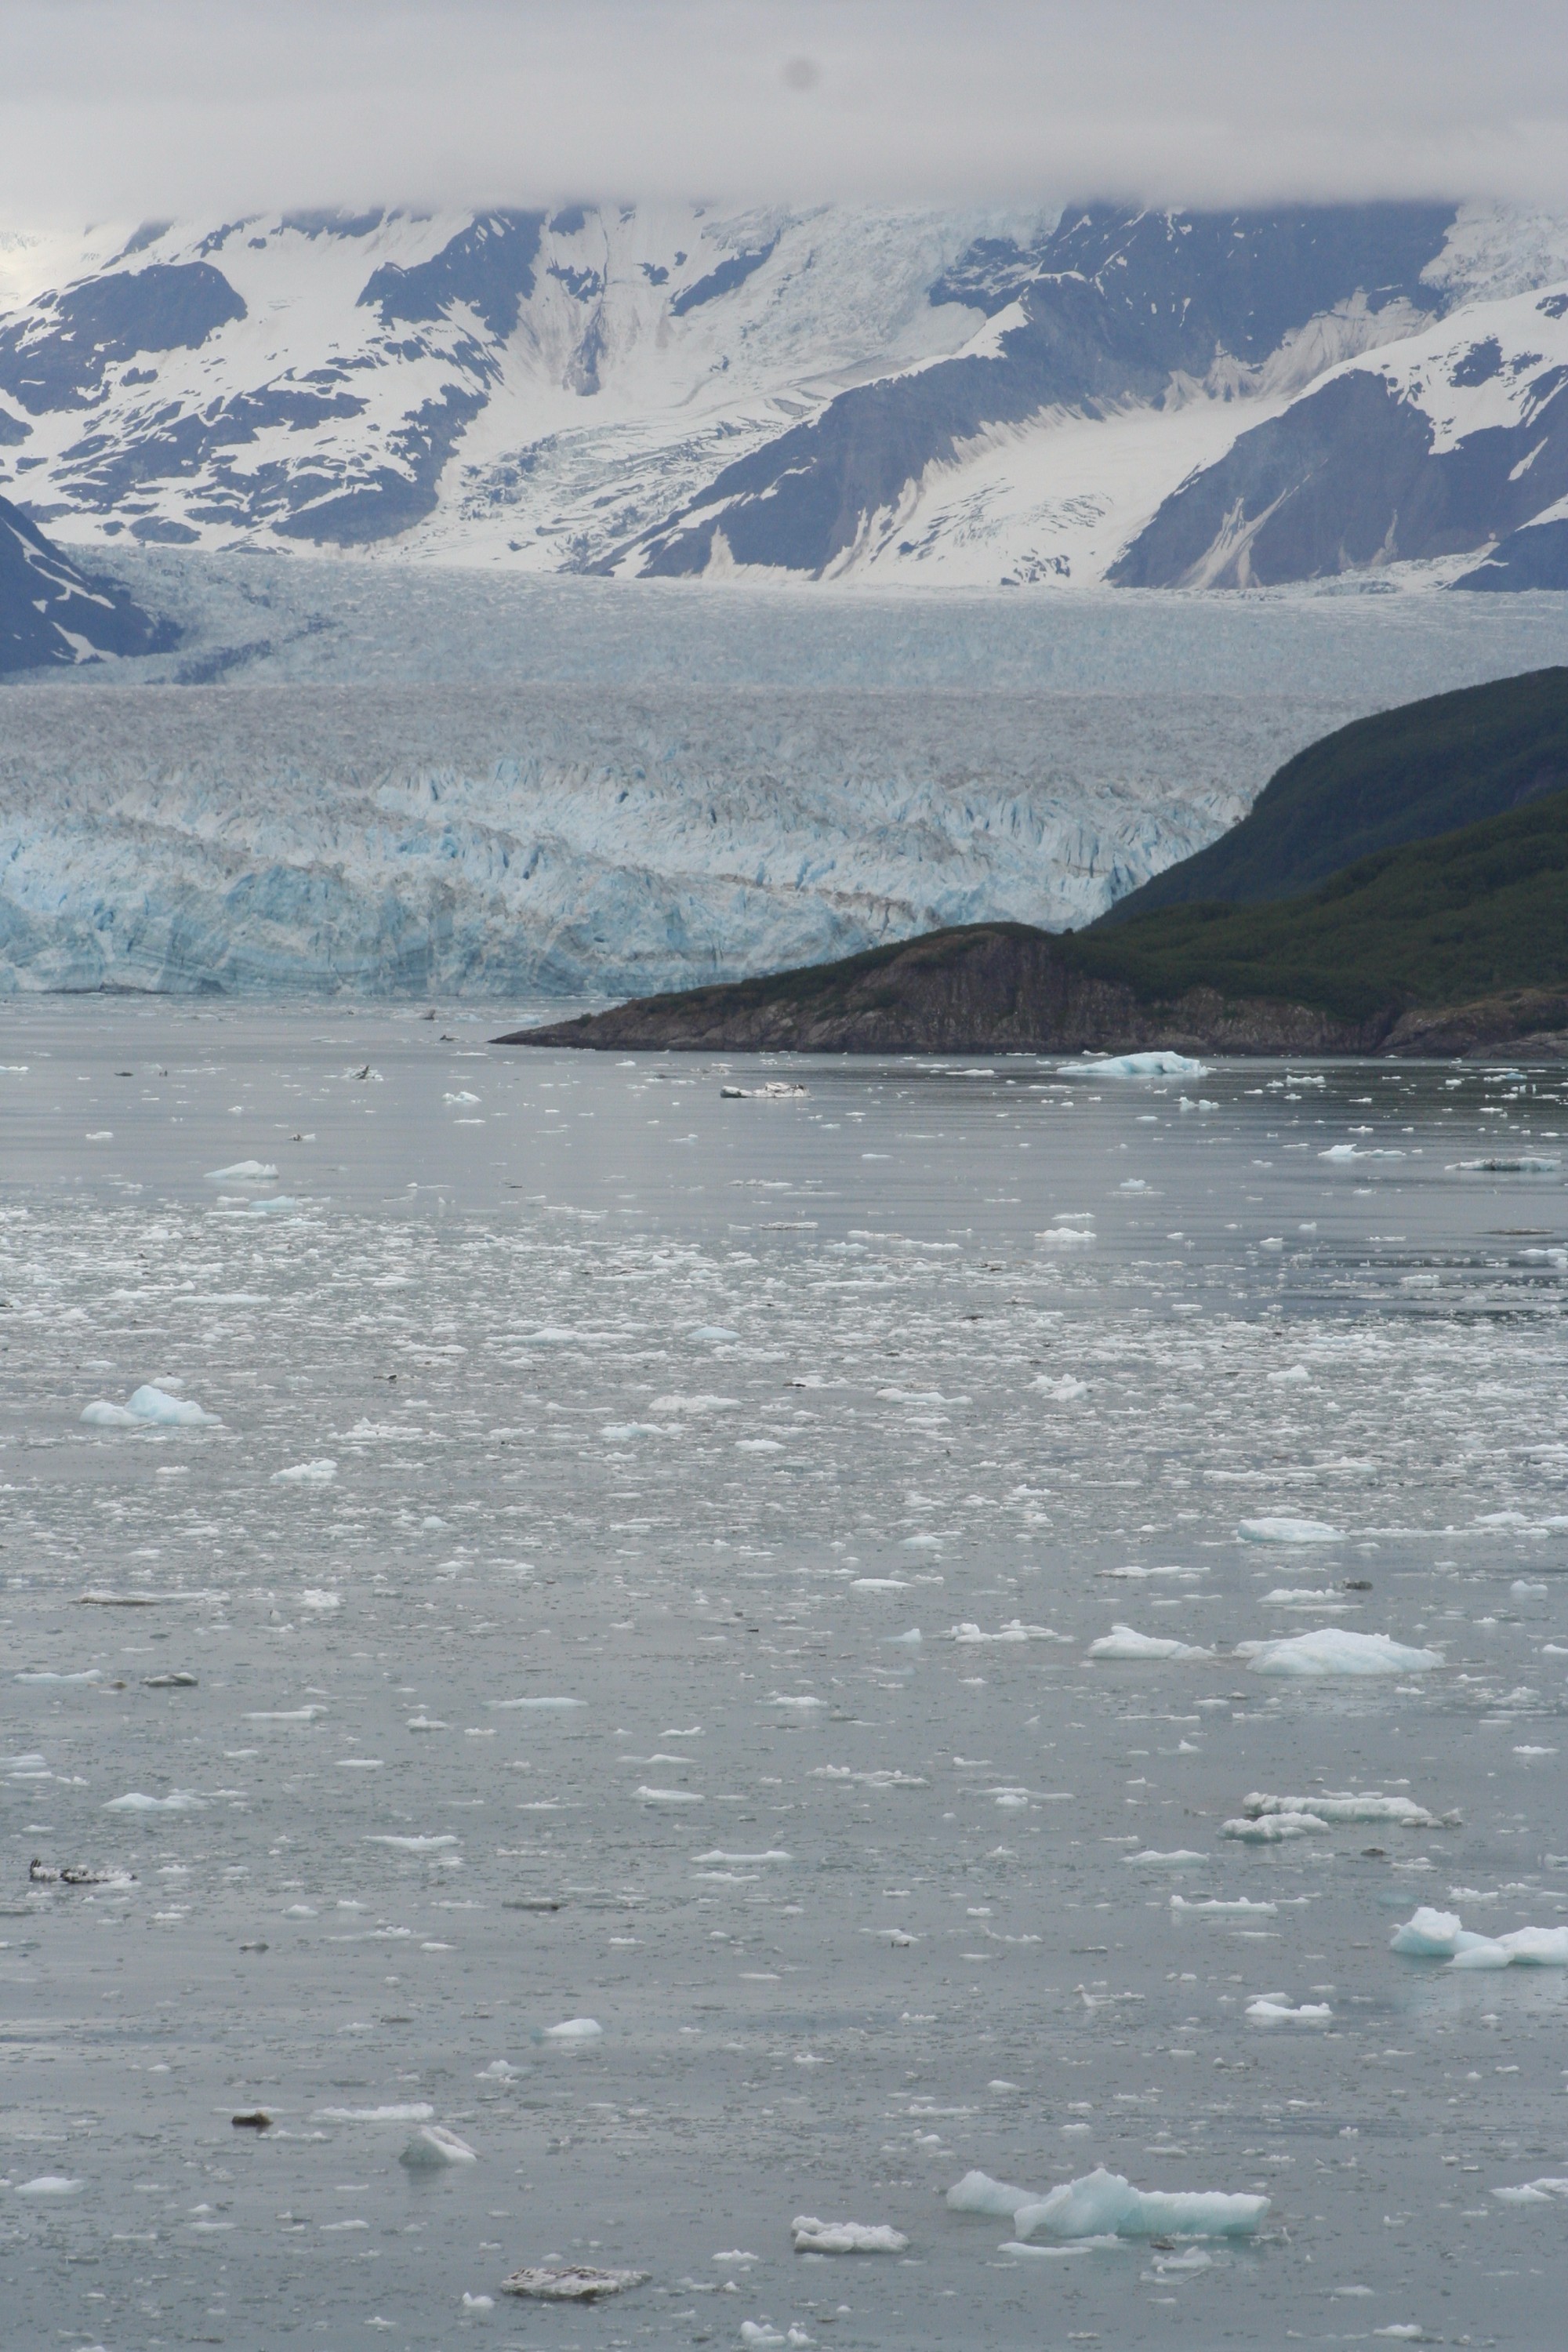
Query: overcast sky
point(131, 108)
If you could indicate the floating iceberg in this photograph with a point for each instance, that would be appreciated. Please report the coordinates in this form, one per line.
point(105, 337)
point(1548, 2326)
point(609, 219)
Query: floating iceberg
point(1265, 2011)
point(1104, 2204)
point(433, 2147)
point(149, 1408)
point(1123, 1642)
point(307, 1474)
point(1135, 1065)
point(1429, 1935)
point(578, 2283)
point(1285, 1529)
point(1272, 1829)
point(814, 2237)
point(1333, 1649)
point(1216, 1909)
point(244, 1172)
point(575, 2028)
point(1348, 1805)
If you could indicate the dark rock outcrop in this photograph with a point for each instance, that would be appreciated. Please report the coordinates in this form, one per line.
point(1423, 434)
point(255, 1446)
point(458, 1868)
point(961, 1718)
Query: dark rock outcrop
point(987, 988)
point(53, 614)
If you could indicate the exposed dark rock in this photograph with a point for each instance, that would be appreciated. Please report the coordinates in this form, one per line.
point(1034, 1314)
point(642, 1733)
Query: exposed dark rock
point(59, 362)
point(52, 614)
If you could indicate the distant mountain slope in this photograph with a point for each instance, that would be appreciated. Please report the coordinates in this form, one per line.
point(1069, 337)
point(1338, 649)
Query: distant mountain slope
point(51, 614)
point(1403, 775)
point(881, 393)
point(1434, 947)
point(1445, 444)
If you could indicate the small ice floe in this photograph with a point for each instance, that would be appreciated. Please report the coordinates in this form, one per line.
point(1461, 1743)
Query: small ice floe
point(433, 2149)
point(772, 1090)
point(1066, 1238)
point(1287, 1529)
point(478, 2302)
point(1335, 1650)
point(1295, 1376)
point(575, 2028)
point(1304, 1596)
point(579, 2283)
point(149, 1408)
point(178, 1800)
point(43, 1874)
point(1180, 1858)
point(1105, 2205)
point(1430, 1935)
point(415, 1844)
point(1160, 1064)
point(411, 2111)
point(712, 1331)
point(544, 1705)
point(1345, 1805)
point(176, 1681)
point(1140, 1575)
point(774, 1853)
point(1533, 2192)
point(1125, 1641)
point(307, 1474)
point(1274, 2009)
point(969, 1633)
point(814, 2237)
point(1273, 1829)
point(677, 1404)
point(668, 1796)
point(49, 2184)
point(44, 1674)
point(1060, 1390)
point(1213, 1907)
point(244, 1172)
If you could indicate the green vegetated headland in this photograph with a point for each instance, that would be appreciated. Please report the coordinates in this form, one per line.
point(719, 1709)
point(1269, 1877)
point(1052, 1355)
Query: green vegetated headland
point(1401, 887)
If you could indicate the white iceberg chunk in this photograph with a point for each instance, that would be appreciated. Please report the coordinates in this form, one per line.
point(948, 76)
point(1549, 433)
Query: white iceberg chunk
point(179, 1800)
point(49, 2184)
point(1266, 2010)
point(814, 2237)
point(1428, 1935)
point(1272, 1827)
point(1345, 1805)
point(1284, 1528)
point(1125, 1641)
point(1334, 1649)
point(978, 2193)
point(575, 2028)
point(411, 2111)
point(307, 1474)
point(148, 1407)
point(1158, 1065)
point(579, 2283)
point(1241, 1908)
point(433, 2147)
point(244, 1172)
point(1105, 2203)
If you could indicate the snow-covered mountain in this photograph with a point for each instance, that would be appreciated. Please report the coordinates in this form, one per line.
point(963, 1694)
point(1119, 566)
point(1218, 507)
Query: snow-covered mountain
point(51, 614)
point(867, 395)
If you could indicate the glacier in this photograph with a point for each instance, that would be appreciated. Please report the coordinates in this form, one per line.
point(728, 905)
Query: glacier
point(411, 781)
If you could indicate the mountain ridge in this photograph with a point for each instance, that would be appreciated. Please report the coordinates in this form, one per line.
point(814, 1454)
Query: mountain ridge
point(881, 394)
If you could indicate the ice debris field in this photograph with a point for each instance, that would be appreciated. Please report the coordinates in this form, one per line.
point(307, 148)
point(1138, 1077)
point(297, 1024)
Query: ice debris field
point(583, 1641)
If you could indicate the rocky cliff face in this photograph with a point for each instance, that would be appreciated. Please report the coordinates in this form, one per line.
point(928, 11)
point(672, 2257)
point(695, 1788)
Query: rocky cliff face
point(1001, 988)
point(993, 988)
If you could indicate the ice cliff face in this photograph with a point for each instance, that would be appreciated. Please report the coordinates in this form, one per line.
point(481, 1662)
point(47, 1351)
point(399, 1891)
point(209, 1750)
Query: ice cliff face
point(409, 779)
point(873, 395)
point(506, 842)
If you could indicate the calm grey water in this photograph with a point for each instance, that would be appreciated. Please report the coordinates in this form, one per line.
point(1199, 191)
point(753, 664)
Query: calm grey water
point(689, 1411)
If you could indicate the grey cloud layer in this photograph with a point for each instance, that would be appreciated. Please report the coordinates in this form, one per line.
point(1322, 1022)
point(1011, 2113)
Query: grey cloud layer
point(181, 105)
